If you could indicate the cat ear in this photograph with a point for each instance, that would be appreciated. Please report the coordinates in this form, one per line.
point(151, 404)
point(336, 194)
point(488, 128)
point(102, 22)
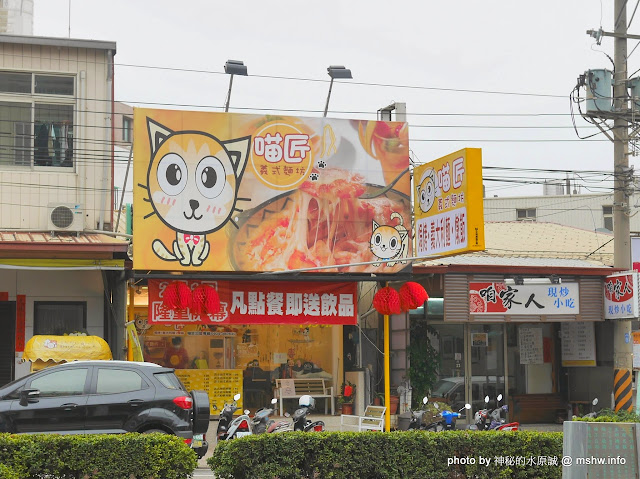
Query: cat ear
point(375, 225)
point(238, 150)
point(157, 134)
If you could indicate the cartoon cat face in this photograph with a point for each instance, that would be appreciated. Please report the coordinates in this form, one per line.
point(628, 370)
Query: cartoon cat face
point(193, 178)
point(428, 189)
point(386, 241)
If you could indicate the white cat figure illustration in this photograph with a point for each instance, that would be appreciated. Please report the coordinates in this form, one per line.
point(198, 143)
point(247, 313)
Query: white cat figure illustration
point(192, 181)
point(389, 242)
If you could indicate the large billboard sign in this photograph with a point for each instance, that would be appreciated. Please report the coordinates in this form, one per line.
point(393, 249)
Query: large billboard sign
point(263, 302)
point(449, 205)
point(233, 192)
point(621, 296)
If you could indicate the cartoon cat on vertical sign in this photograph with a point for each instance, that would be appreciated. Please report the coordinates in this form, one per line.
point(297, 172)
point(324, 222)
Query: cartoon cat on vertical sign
point(232, 192)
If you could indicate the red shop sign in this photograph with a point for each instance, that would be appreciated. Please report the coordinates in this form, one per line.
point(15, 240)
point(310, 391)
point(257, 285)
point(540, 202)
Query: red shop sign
point(255, 302)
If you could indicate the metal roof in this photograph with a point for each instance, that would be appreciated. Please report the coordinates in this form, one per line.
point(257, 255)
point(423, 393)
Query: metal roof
point(58, 42)
point(529, 244)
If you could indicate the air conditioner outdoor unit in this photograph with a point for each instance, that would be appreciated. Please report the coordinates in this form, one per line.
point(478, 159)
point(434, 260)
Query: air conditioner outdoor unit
point(65, 217)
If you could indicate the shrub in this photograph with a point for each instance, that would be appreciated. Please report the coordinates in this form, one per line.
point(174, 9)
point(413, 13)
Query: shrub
point(96, 456)
point(609, 415)
point(407, 454)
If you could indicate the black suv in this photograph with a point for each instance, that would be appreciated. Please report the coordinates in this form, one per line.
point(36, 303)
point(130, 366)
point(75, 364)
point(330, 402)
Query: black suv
point(89, 397)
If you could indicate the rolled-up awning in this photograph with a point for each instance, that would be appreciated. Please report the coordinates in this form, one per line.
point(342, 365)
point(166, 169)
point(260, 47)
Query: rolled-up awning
point(66, 348)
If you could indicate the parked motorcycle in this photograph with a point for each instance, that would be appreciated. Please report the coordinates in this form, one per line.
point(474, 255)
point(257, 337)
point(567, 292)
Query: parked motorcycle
point(230, 428)
point(262, 423)
point(592, 413)
point(300, 422)
point(450, 417)
point(417, 418)
point(491, 419)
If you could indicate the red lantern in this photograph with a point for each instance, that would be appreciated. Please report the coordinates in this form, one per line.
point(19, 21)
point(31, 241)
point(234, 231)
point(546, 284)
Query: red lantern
point(177, 296)
point(412, 295)
point(205, 300)
point(387, 301)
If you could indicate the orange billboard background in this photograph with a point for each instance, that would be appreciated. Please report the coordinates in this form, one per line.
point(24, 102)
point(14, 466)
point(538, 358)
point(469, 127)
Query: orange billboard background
point(233, 192)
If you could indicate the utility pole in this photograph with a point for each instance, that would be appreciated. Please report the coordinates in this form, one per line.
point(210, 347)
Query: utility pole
point(622, 344)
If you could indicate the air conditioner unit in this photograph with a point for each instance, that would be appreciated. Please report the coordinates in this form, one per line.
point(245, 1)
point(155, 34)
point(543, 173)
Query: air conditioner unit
point(65, 217)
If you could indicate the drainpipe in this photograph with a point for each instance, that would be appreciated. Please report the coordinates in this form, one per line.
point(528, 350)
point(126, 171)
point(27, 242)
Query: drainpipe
point(80, 141)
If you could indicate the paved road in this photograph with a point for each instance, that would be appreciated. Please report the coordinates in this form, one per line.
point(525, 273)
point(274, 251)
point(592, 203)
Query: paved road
point(203, 472)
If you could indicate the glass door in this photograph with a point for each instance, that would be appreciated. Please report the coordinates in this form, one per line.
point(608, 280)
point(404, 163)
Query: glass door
point(450, 344)
point(486, 365)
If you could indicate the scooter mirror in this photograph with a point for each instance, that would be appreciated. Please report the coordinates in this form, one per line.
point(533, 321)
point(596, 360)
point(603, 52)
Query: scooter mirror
point(286, 414)
point(274, 400)
point(246, 411)
point(486, 399)
point(467, 406)
point(236, 397)
point(436, 405)
point(499, 397)
point(595, 401)
point(425, 400)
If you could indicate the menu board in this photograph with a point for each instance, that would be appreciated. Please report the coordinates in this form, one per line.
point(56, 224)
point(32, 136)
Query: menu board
point(578, 343)
point(220, 384)
point(531, 345)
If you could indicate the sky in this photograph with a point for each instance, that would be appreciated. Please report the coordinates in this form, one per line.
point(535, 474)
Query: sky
point(494, 75)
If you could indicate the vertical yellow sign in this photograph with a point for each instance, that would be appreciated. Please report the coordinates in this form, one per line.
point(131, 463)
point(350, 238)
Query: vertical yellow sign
point(449, 204)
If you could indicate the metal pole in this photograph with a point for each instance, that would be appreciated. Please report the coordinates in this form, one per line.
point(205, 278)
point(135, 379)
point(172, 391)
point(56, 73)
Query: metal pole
point(326, 106)
point(622, 344)
point(226, 106)
point(124, 186)
point(387, 374)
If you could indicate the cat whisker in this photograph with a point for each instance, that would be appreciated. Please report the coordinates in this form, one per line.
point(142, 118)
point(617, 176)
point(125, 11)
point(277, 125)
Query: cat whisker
point(143, 186)
point(149, 215)
point(232, 221)
point(243, 199)
point(238, 209)
point(148, 200)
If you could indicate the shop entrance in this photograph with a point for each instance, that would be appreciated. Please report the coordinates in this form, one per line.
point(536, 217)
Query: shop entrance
point(486, 364)
point(472, 364)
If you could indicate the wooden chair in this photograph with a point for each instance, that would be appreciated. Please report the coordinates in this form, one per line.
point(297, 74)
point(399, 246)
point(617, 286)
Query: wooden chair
point(371, 420)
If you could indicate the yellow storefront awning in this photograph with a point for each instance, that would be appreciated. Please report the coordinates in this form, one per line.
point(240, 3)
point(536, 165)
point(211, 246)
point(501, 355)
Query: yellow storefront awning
point(66, 348)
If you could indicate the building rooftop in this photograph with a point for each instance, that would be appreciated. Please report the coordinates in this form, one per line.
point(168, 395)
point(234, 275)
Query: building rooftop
point(537, 245)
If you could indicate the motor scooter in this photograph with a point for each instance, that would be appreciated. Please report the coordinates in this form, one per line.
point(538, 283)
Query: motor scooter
point(226, 416)
point(262, 422)
point(592, 414)
point(300, 422)
point(481, 417)
point(238, 427)
point(498, 422)
point(417, 418)
point(450, 417)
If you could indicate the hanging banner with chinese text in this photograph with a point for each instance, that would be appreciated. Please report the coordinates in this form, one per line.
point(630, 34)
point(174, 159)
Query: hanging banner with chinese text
point(448, 204)
point(578, 343)
point(539, 299)
point(234, 192)
point(621, 296)
point(266, 302)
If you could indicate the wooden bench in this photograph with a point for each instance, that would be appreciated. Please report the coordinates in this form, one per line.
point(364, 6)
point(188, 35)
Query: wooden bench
point(298, 387)
point(537, 407)
point(371, 420)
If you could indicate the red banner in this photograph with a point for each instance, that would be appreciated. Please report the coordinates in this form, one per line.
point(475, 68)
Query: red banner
point(21, 306)
point(269, 302)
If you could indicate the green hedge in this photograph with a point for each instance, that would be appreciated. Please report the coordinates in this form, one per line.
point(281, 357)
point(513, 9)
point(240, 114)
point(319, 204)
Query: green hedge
point(99, 456)
point(406, 454)
point(609, 415)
